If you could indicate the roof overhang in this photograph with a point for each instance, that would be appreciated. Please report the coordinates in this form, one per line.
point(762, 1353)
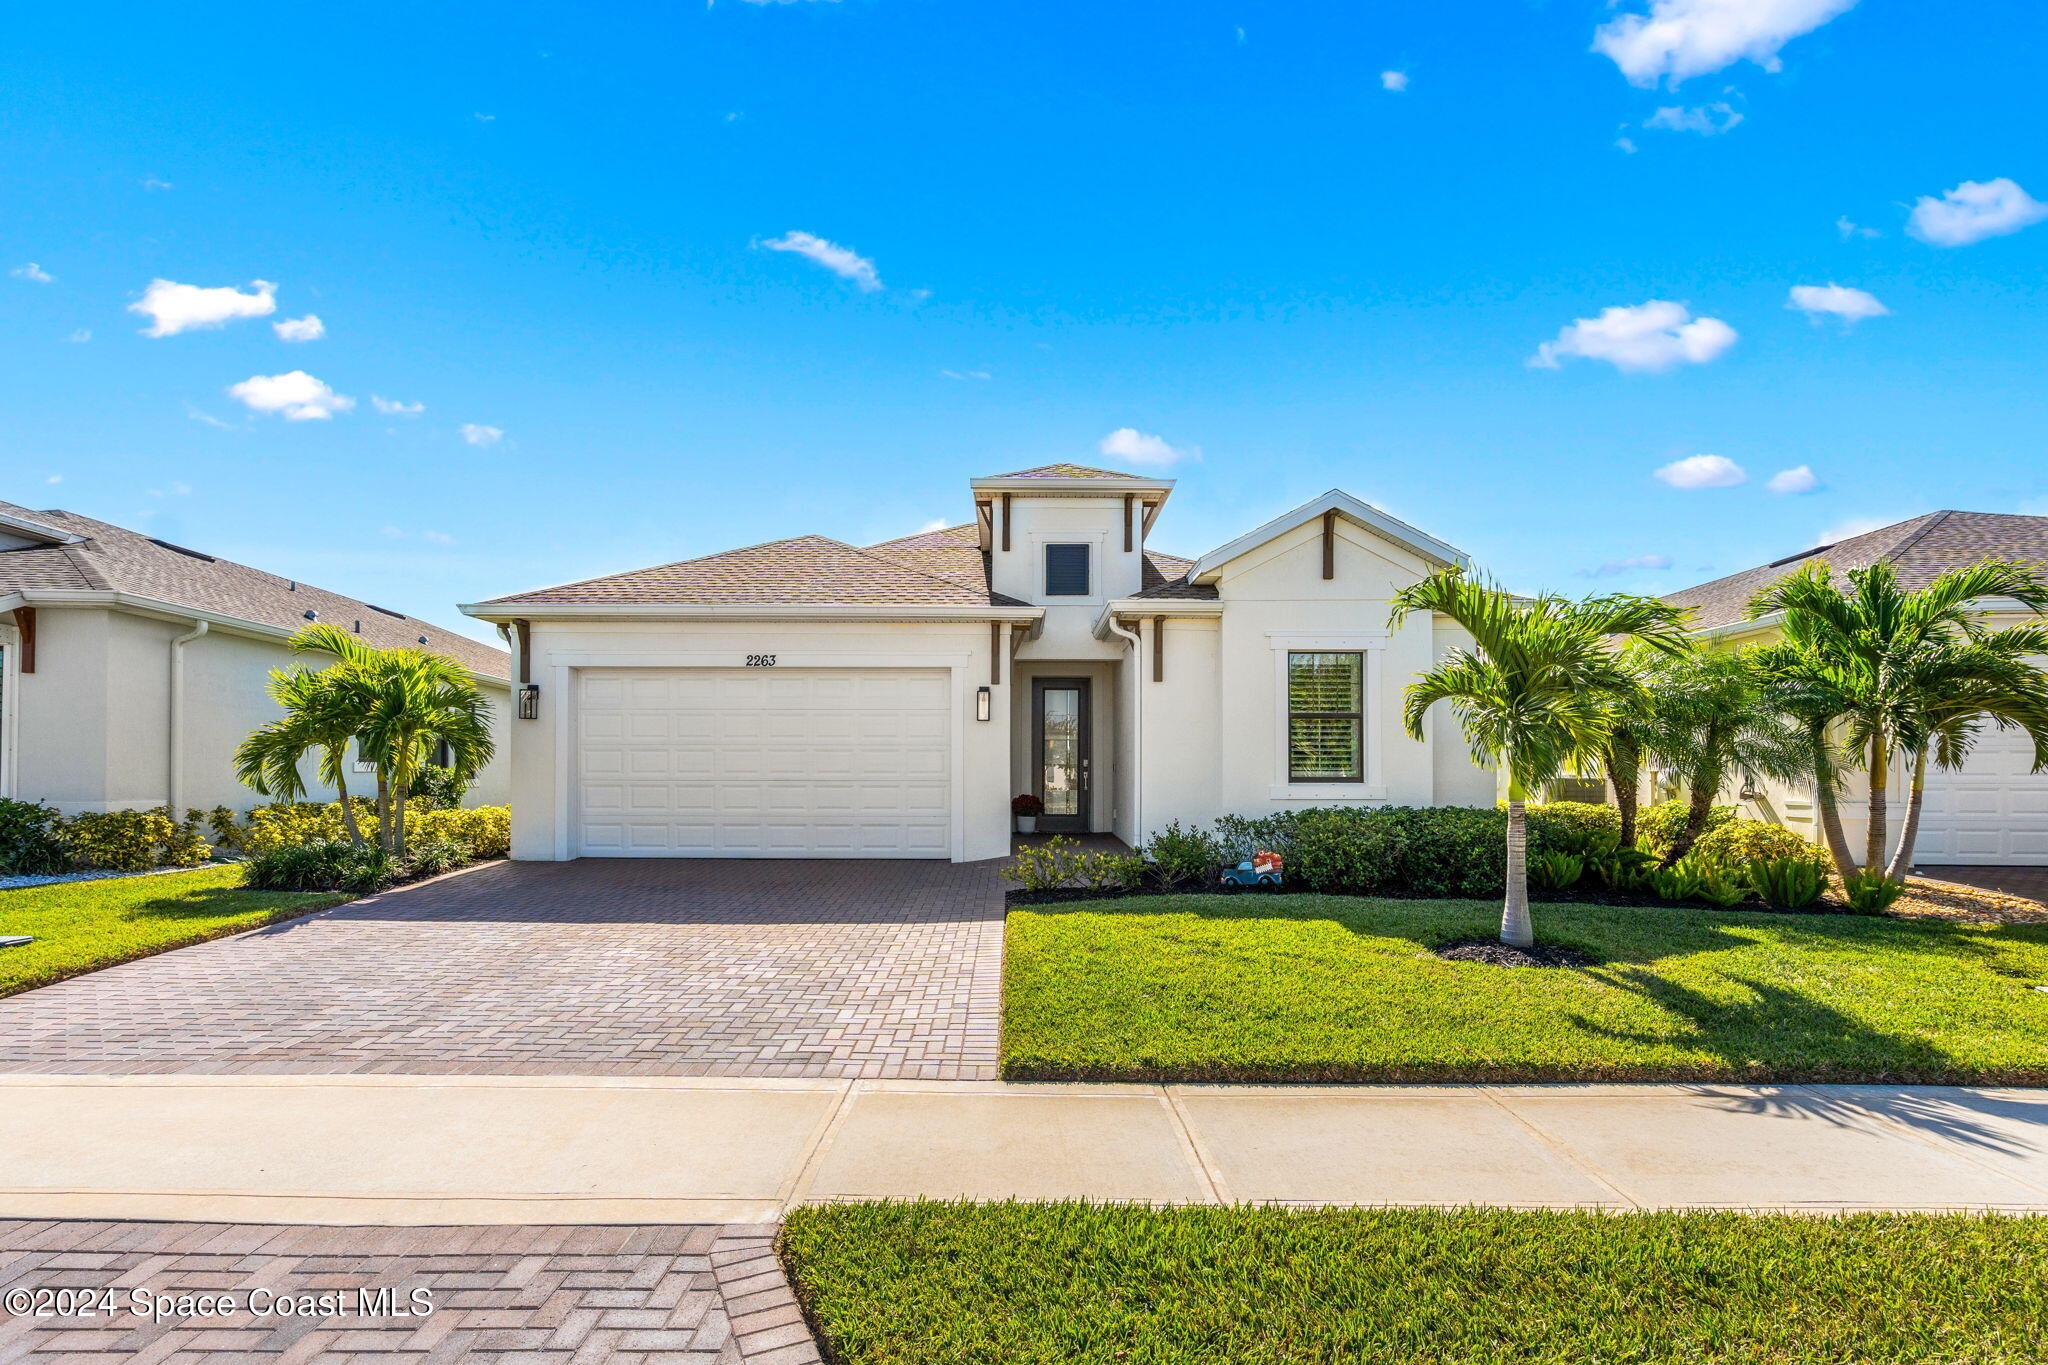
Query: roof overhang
point(109, 599)
point(1985, 606)
point(742, 611)
point(1073, 487)
point(1336, 500)
point(1135, 607)
point(38, 530)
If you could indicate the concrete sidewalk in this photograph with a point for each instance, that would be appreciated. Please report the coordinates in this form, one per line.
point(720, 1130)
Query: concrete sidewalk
point(412, 1150)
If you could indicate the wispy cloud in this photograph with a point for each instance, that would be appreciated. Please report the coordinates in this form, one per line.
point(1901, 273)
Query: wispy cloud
point(33, 273)
point(173, 308)
point(156, 186)
point(1648, 337)
point(844, 262)
point(1708, 120)
point(1820, 301)
point(1798, 479)
point(966, 374)
point(1848, 229)
point(296, 396)
point(1703, 471)
point(80, 336)
point(391, 407)
point(1677, 39)
point(476, 434)
point(1141, 447)
point(1631, 564)
point(1396, 81)
point(1973, 211)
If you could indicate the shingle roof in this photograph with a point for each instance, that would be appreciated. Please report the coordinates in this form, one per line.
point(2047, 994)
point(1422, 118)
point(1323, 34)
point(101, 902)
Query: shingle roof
point(112, 557)
point(1166, 577)
point(1065, 471)
point(1920, 549)
point(803, 570)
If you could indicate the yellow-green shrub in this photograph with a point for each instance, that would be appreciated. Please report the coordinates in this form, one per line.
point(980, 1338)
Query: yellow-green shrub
point(134, 840)
point(486, 831)
point(287, 824)
point(1757, 841)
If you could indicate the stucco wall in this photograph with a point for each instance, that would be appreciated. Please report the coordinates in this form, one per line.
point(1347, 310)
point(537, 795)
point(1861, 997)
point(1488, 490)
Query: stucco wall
point(1067, 632)
point(543, 791)
point(90, 729)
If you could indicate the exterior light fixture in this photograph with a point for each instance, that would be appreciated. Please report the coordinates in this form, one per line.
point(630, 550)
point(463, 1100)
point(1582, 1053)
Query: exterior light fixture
point(529, 702)
point(981, 703)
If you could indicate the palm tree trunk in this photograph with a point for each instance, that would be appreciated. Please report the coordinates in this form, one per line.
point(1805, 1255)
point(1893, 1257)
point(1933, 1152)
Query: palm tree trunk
point(1703, 784)
point(383, 813)
point(1515, 929)
point(1902, 861)
point(1824, 797)
point(1880, 777)
point(348, 812)
point(1625, 772)
point(398, 835)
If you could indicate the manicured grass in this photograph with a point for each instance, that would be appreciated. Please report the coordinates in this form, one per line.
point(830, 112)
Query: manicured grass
point(891, 1284)
point(1264, 988)
point(83, 926)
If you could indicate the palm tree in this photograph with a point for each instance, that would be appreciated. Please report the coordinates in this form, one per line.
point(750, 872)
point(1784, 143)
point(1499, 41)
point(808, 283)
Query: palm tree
point(1535, 694)
point(1814, 694)
point(1869, 661)
point(317, 718)
point(1712, 720)
point(1627, 738)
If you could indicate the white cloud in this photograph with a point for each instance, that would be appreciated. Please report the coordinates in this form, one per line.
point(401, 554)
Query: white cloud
point(1648, 337)
point(81, 336)
point(1139, 447)
point(1706, 120)
point(152, 184)
point(174, 308)
point(391, 407)
point(1703, 471)
point(935, 524)
point(1837, 300)
point(1677, 39)
point(966, 374)
point(198, 414)
point(176, 490)
point(54, 478)
point(298, 396)
point(437, 537)
point(1973, 211)
point(479, 435)
point(307, 328)
point(1798, 479)
point(1849, 229)
point(1627, 144)
point(1628, 565)
point(841, 261)
point(33, 273)
point(1396, 81)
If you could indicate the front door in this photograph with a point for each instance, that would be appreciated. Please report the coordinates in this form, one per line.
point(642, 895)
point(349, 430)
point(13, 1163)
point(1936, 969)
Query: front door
point(1060, 738)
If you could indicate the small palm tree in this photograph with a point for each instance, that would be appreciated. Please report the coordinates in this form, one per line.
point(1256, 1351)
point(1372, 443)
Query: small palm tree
point(318, 719)
point(1711, 719)
point(1535, 694)
point(1867, 661)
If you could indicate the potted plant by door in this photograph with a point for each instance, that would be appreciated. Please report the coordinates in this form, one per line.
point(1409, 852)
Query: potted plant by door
point(1027, 809)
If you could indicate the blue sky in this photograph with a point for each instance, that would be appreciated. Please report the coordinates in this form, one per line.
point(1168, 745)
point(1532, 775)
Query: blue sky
point(1022, 227)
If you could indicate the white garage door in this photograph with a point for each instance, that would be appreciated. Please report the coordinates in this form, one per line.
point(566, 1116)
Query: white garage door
point(761, 763)
point(1993, 811)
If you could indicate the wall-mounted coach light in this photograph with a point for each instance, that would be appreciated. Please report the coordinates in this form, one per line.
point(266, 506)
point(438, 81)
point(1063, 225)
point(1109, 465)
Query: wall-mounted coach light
point(529, 702)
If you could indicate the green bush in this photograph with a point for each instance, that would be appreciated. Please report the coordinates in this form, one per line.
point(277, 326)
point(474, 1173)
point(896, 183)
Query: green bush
point(31, 840)
point(1756, 841)
point(321, 865)
point(1556, 871)
point(484, 831)
point(227, 833)
point(1102, 871)
point(1043, 867)
point(431, 856)
point(1342, 850)
point(436, 788)
point(1238, 837)
point(1658, 826)
point(1181, 852)
point(1870, 892)
point(1788, 883)
point(134, 840)
point(286, 824)
point(1574, 826)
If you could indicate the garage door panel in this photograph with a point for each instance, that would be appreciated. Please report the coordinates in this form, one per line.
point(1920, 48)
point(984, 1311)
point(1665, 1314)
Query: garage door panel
point(1995, 810)
point(787, 764)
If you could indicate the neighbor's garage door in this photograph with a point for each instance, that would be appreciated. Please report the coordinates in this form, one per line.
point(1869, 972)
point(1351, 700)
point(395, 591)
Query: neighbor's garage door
point(763, 763)
point(1993, 811)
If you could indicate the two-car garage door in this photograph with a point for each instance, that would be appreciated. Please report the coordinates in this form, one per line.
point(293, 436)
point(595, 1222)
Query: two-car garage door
point(768, 763)
point(1994, 810)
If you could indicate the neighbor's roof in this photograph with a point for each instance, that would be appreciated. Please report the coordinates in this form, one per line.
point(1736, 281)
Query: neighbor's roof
point(803, 570)
point(112, 558)
point(1920, 550)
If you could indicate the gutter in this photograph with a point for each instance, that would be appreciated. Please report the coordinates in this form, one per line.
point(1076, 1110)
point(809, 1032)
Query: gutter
point(741, 611)
point(1197, 607)
point(176, 774)
point(1988, 606)
point(1137, 675)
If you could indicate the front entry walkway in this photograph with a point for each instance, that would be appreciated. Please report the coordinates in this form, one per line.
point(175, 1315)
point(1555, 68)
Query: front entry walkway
point(792, 968)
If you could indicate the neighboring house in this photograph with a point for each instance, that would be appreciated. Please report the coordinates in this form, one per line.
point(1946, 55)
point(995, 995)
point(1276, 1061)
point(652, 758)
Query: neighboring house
point(1995, 809)
point(811, 698)
point(130, 668)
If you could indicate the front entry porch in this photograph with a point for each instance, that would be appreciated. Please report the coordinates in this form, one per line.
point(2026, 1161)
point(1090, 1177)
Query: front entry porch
point(1065, 743)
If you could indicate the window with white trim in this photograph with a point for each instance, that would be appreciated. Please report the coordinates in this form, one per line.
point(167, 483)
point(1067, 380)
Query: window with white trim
point(1325, 716)
point(1066, 570)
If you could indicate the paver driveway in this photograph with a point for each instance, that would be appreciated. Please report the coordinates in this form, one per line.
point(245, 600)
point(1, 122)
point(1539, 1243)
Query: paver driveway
point(645, 966)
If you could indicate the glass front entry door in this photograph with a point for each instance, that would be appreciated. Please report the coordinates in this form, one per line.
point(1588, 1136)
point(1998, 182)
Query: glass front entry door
point(1061, 740)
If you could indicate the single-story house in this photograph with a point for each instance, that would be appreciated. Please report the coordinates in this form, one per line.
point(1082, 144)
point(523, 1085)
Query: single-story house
point(1994, 810)
point(130, 668)
point(807, 697)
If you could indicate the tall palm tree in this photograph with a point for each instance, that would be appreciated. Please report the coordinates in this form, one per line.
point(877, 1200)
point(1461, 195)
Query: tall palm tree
point(1628, 735)
point(417, 702)
point(1711, 720)
point(1533, 695)
point(318, 718)
point(1868, 654)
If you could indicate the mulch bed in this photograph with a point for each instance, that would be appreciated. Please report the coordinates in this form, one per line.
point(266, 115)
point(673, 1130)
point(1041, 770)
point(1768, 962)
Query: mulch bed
point(1494, 953)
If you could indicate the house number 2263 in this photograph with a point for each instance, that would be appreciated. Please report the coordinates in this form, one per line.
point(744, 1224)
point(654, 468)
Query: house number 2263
point(760, 661)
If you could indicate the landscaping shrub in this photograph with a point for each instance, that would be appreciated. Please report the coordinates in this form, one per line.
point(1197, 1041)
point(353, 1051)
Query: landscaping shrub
point(31, 840)
point(1870, 892)
point(134, 840)
point(226, 832)
point(1342, 850)
point(1788, 883)
point(287, 824)
point(321, 865)
point(485, 831)
point(1240, 836)
point(1556, 871)
point(435, 788)
point(1756, 841)
point(1102, 870)
point(1182, 852)
point(1658, 826)
point(434, 854)
point(1044, 867)
point(1574, 826)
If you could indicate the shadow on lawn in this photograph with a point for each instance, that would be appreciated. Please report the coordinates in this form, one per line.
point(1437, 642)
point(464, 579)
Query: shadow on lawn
point(214, 902)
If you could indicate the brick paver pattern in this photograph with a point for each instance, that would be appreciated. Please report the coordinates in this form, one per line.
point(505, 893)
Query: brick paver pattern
point(688, 1295)
point(814, 967)
point(2030, 882)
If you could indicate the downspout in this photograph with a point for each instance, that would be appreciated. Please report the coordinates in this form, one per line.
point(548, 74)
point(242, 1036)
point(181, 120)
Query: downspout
point(177, 765)
point(1136, 675)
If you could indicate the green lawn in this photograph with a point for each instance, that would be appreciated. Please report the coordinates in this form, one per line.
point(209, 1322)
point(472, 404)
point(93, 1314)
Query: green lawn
point(891, 1284)
point(1325, 988)
point(83, 926)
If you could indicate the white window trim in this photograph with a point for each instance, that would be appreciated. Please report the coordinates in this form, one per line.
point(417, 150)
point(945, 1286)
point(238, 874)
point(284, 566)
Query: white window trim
point(1373, 647)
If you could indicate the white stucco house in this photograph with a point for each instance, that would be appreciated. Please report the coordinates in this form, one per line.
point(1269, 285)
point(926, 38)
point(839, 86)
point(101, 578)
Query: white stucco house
point(130, 668)
point(811, 698)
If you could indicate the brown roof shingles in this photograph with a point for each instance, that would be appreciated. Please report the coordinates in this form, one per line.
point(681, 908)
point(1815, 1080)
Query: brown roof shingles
point(1065, 471)
point(1921, 549)
point(113, 557)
